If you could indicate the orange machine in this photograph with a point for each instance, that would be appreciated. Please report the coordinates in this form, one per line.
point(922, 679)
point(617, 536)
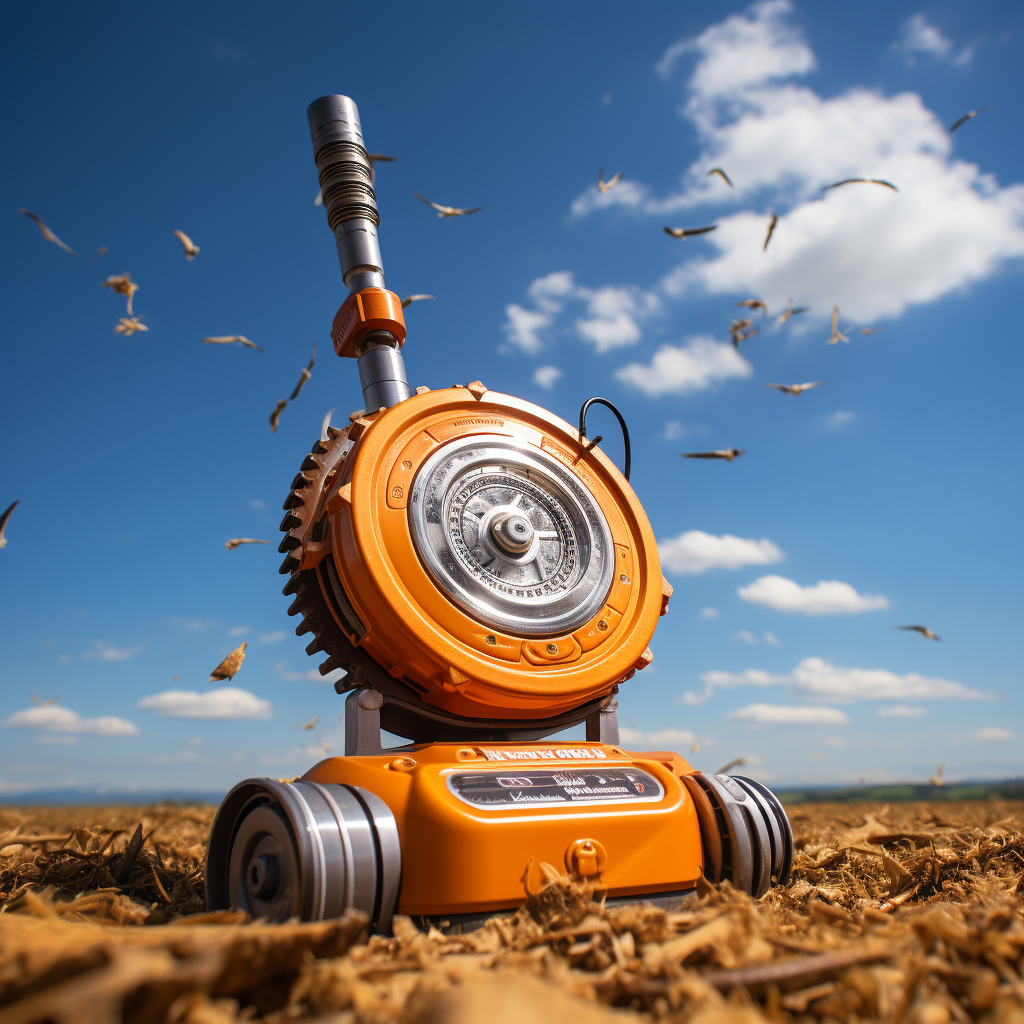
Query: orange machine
point(485, 577)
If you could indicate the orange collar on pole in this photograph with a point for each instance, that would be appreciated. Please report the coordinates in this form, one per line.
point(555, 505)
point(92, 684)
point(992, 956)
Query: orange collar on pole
point(372, 309)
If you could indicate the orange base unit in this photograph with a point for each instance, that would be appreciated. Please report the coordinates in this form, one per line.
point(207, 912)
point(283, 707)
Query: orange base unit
point(471, 820)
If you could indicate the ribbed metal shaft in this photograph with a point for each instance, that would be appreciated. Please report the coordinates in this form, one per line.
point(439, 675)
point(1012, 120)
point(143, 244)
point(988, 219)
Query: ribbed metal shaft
point(346, 185)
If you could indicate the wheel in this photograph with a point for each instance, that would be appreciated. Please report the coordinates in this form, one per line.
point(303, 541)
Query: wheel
point(746, 835)
point(281, 850)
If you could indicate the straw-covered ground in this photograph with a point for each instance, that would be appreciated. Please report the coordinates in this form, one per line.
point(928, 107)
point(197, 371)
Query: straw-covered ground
point(908, 913)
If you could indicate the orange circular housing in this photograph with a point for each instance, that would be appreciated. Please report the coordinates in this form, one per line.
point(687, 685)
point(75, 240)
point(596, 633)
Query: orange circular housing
point(463, 642)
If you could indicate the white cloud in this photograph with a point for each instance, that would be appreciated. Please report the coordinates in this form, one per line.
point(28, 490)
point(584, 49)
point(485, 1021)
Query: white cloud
point(834, 741)
point(749, 638)
point(839, 418)
point(920, 36)
point(545, 376)
point(696, 551)
point(230, 702)
point(743, 51)
point(613, 313)
point(817, 679)
point(662, 739)
point(238, 630)
point(193, 624)
point(57, 739)
point(312, 674)
point(777, 714)
point(272, 638)
point(900, 711)
point(523, 325)
point(55, 718)
point(709, 613)
point(108, 652)
point(626, 193)
point(674, 430)
point(872, 251)
point(698, 364)
point(991, 733)
point(826, 597)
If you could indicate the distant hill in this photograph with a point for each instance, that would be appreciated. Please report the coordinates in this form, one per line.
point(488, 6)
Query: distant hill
point(76, 797)
point(1010, 789)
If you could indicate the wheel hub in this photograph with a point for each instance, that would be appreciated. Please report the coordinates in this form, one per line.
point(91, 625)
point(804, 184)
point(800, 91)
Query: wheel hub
point(512, 536)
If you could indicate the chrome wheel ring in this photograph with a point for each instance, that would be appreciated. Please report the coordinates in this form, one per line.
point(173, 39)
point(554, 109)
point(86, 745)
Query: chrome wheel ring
point(512, 536)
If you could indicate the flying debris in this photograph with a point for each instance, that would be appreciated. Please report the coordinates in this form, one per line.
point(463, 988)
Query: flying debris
point(937, 779)
point(47, 233)
point(43, 703)
point(771, 230)
point(122, 284)
point(753, 304)
point(3, 521)
point(309, 726)
point(865, 181)
point(923, 630)
point(410, 299)
point(101, 251)
point(129, 325)
point(796, 389)
point(230, 665)
point(238, 541)
point(721, 174)
point(306, 374)
point(967, 117)
point(872, 330)
point(790, 311)
point(275, 416)
point(694, 748)
point(736, 762)
point(837, 335)
point(230, 339)
point(722, 453)
point(603, 185)
point(447, 211)
point(191, 249)
point(325, 426)
point(688, 232)
point(741, 330)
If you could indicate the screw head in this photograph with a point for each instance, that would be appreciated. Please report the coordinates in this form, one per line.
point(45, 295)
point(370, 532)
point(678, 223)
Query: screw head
point(552, 648)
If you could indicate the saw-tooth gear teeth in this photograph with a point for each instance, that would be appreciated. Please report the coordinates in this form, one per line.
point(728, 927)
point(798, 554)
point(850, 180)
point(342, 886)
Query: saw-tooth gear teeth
point(289, 543)
point(333, 433)
point(294, 586)
point(290, 564)
point(300, 606)
point(293, 501)
point(300, 482)
point(318, 448)
point(308, 626)
point(314, 646)
point(329, 666)
point(309, 463)
point(289, 522)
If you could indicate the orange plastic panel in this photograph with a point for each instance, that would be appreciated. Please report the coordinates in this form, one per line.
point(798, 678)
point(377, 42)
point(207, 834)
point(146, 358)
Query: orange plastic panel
point(416, 632)
point(458, 858)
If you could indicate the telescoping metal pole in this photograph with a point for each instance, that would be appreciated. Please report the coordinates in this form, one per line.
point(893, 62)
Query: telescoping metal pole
point(346, 184)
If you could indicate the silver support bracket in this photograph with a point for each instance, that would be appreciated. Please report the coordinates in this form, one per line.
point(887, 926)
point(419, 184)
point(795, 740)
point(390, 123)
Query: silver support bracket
point(362, 723)
point(603, 725)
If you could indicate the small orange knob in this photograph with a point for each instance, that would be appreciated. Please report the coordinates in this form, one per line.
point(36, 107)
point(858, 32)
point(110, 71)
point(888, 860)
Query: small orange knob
point(586, 858)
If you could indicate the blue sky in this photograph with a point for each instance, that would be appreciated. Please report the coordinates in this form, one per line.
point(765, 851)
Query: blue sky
point(890, 495)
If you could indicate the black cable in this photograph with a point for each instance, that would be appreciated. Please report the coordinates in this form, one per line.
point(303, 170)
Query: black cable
point(622, 423)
